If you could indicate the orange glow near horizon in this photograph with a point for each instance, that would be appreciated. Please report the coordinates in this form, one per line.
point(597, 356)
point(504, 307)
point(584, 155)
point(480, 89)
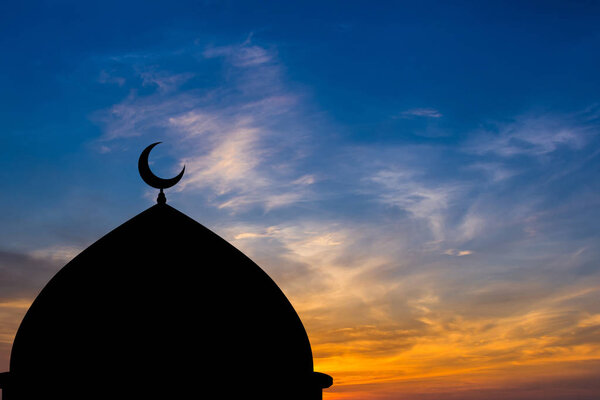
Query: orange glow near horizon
point(445, 365)
point(465, 358)
point(419, 347)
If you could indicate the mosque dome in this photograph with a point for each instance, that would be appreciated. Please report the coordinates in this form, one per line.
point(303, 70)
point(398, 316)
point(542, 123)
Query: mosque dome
point(161, 307)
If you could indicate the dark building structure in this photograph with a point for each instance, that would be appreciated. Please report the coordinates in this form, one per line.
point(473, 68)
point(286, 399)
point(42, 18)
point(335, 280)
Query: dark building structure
point(161, 308)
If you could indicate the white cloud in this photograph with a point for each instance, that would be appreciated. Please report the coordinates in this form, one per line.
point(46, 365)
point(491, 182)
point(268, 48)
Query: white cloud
point(529, 135)
point(421, 112)
point(496, 172)
point(58, 254)
point(163, 80)
point(458, 253)
point(244, 55)
point(471, 226)
point(403, 189)
point(305, 180)
point(230, 164)
point(230, 138)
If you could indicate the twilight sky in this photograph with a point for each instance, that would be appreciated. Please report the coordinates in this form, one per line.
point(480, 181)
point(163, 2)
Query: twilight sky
point(420, 178)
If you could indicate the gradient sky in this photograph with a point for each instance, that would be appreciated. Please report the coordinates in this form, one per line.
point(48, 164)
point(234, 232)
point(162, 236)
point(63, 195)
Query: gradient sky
point(420, 178)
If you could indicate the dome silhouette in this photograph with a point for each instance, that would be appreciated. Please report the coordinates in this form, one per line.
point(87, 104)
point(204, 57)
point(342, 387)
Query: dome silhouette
point(161, 307)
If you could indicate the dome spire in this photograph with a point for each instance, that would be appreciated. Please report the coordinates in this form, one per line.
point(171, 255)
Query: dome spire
point(153, 180)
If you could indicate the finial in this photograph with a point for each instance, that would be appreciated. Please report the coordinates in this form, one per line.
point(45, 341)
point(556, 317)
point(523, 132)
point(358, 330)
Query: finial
point(153, 180)
point(161, 199)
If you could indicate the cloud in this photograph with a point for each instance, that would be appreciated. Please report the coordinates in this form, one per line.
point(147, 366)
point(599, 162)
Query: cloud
point(535, 135)
point(420, 112)
point(495, 171)
point(305, 180)
point(245, 55)
point(458, 253)
point(58, 254)
point(404, 261)
point(163, 80)
point(231, 139)
point(402, 189)
point(22, 276)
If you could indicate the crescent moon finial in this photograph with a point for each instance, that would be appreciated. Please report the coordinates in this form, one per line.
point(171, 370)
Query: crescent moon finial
point(153, 180)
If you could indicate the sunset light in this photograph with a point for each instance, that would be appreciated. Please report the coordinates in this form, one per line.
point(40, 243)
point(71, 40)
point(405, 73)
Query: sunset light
point(419, 178)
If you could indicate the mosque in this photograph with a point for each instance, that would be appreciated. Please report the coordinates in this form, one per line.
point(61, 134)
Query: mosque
point(161, 308)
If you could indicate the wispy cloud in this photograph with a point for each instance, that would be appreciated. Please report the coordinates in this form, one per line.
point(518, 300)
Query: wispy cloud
point(402, 189)
point(420, 112)
point(412, 261)
point(246, 55)
point(534, 135)
point(459, 253)
point(59, 255)
point(164, 81)
point(231, 139)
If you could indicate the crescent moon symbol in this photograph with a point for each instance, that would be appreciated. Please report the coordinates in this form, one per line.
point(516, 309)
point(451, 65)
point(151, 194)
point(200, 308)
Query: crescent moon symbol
point(149, 177)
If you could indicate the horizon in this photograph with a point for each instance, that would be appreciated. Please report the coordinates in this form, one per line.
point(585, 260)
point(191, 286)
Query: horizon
point(421, 180)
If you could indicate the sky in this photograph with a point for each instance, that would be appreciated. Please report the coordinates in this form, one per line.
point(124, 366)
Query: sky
point(419, 178)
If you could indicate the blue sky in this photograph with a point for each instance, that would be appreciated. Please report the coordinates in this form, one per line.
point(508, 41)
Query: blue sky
point(400, 169)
